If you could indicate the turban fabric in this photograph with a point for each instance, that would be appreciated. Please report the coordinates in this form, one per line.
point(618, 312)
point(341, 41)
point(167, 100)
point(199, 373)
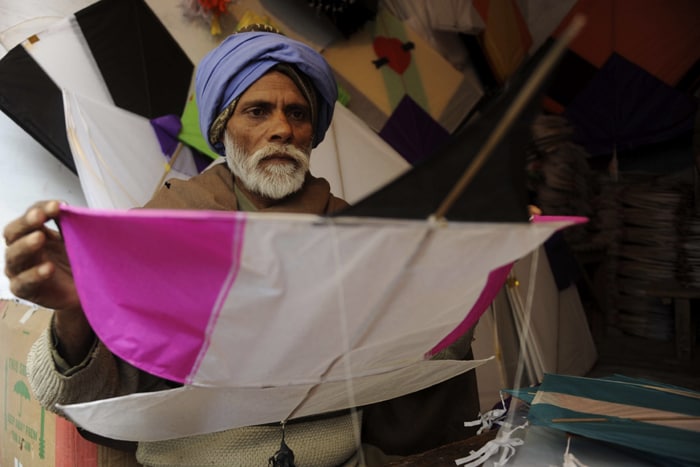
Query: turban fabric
point(241, 59)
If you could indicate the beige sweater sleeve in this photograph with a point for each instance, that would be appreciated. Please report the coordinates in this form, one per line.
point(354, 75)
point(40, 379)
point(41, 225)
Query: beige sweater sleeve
point(100, 376)
point(322, 442)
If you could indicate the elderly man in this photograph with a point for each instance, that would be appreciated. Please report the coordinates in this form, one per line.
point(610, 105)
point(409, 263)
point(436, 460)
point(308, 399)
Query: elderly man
point(265, 101)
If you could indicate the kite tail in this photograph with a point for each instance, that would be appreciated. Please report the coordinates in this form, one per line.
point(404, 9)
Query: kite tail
point(503, 443)
point(569, 459)
point(284, 457)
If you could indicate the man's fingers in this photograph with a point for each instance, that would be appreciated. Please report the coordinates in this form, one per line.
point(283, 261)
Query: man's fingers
point(33, 219)
point(24, 253)
point(28, 283)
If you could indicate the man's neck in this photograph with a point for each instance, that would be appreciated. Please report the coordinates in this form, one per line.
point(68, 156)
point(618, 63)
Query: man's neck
point(259, 201)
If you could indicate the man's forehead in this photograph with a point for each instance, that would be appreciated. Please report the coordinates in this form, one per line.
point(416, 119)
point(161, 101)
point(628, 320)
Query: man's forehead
point(266, 86)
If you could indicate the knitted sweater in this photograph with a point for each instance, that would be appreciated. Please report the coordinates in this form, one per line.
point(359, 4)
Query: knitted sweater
point(321, 441)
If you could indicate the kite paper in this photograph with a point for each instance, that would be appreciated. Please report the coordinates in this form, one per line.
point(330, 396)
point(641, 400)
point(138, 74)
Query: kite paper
point(506, 38)
point(625, 107)
point(113, 51)
point(302, 302)
point(354, 159)
point(385, 61)
point(117, 172)
point(638, 60)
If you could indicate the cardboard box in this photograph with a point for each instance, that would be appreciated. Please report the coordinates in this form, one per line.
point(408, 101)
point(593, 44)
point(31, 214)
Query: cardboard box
point(27, 434)
point(31, 436)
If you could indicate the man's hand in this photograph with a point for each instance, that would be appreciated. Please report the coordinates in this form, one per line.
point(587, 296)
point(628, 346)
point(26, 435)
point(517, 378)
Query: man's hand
point(35, 259)
point(37, 265)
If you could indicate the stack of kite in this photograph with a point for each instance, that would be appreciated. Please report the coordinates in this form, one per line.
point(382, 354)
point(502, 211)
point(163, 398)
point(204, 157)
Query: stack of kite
point(648, 251)
point(689, 250)
point(563, 181)
point(647, 419)
point(626, 101)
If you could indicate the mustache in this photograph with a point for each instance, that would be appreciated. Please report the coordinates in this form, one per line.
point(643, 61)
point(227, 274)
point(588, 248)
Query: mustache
point(279, 150)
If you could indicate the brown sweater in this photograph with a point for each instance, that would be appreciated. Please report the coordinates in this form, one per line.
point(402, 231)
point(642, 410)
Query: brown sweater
point(213, 189)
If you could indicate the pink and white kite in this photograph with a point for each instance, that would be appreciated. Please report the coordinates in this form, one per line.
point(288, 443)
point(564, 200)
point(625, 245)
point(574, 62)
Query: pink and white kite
point(264, 317)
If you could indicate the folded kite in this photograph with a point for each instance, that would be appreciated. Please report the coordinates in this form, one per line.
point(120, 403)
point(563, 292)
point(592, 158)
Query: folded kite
point(656, 421)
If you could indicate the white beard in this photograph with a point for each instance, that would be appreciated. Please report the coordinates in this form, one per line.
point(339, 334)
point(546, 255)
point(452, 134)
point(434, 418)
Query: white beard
point(273, 181)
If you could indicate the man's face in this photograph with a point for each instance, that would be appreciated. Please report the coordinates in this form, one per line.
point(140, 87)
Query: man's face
point(268, 138)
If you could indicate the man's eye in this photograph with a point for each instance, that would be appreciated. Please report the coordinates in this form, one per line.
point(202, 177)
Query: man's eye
point(256, 111)
point(299, 114)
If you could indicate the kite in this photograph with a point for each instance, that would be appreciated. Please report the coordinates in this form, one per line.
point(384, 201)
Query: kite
point(374, 295)
point(382, 294)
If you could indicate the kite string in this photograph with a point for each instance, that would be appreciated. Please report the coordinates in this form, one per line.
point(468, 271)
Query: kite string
point(351, 341)
point(530, 351)
point(526, 335)
point(527, 344)
point(345, 336)
point(504, 442)
point(346, 344)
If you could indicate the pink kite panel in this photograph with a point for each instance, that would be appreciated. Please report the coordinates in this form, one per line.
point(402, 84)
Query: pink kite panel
point(495, 281)
point(190, 281)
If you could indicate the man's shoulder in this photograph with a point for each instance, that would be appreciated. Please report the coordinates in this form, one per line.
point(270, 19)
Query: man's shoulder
point(314, 198)
point(334, 203)
point(211, 189)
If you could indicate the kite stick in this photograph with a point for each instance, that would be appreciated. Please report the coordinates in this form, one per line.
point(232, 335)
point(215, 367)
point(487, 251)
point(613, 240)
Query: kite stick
point(337, 158)
point(78, 149)
point(169, 166)
point(515, 109)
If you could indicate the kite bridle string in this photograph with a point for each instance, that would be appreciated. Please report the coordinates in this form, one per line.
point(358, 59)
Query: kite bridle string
point(524, 341)
point(342, 308)
point(526, 336)
point(349, 342)
point(347, 347)
point(530, 352)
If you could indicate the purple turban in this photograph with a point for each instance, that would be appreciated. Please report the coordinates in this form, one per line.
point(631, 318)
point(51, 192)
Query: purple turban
point(241, 59)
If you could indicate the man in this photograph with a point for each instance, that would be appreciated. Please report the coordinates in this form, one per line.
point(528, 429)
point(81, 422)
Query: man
point(265, 101)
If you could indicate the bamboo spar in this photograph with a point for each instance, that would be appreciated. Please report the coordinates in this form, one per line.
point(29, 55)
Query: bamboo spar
point(531, 86)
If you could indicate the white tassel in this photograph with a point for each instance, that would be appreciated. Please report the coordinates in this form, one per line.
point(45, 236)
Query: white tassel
point(490, 418)
point(503, 442)
point(569, 459)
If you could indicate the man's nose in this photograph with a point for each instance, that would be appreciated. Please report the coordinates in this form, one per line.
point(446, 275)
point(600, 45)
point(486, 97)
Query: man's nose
point(281, 128)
